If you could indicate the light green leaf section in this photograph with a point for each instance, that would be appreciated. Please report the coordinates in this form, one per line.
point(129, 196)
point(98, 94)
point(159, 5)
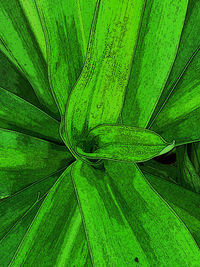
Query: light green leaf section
point(126, 221)
point(18, 115)
point(67, 26)
point(56, 236)
point(179, 118)
point(185, 203)
point(98, 95)
point(25, 159)
point(16, 214)
point(21, 43)
point(188, 177)
point(156, 50)
point(119, 142)
point(189, 43)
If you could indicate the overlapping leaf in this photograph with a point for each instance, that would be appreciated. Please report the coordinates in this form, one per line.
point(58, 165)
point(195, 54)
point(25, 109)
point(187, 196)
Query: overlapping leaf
point(127, 222)
point(156, 49)
point(56, 237)
point(67, 25)
point(124, 143)
point(18, 34)
point(26, 159)
point(98, 95)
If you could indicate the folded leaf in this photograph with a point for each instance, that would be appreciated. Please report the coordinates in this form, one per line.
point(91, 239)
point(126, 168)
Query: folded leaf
point(156, 50)
point(189, 43)
point(124, 143)
point(56, 236)
point(16, 215)
point(185, 203)
point(19, 39)
point(26, 159)
point(13, 81)
point(18, 115)
point(188, 176)
point(179, 118)
point(67, 25)
point(127, 222)
point(98, 95)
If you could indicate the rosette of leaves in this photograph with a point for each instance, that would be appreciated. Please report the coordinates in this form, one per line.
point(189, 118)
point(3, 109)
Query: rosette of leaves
point(95, 97)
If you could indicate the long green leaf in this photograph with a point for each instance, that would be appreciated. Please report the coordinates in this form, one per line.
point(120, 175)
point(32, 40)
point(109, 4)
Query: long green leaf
point(185, 203)
point(188, 176)
point(12, 80)
point(189, 43)
point(18, 115)
point(98, 95)
point(67, 25)
point(124, 143)
point(179, 118)
point(155, 53)
point(126, 222)
point(194, 156)
point(56, 236)
point(17, 35)
point(16, 214)
point(26, 159)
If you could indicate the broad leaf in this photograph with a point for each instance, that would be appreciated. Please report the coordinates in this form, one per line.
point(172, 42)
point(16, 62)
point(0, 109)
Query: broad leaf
point(98, 95)
point(188, 176)
point(185, 203)
point(127, 222)
point(67, 25)
point(26, 159)
point(56, 236)
point(18, 115)
point(16, 214)
point(189, 43)
point(18, 37)
point(156, 50)
point(124, 143)
point(179, 118)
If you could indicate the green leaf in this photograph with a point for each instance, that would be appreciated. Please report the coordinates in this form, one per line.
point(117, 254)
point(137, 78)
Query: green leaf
point(17, 212)
point(119, 142)
point(99, 92)
point(188, 176)
point(195, 156)
point(13, 81)
point(19, 39)
point(26, 159)
point(56, 236)
point(185, 203)
point(163, 171)
point(127, 221)
point(179, 118)
point(189, 43)
point(156, 50)
point(67, 25)
point(18, 115)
